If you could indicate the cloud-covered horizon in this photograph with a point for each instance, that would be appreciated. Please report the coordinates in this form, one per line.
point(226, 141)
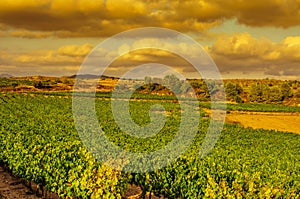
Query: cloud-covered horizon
point(94, 18)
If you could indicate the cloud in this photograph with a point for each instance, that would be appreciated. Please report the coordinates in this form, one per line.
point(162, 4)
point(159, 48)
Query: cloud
point(65, 55)
point(234, 54)
point(3, 26)
point(290, 48)
point(95, 18)
point(75, 50)
point(65, 60)
point(241, 46)
point(72, 17)
point(259, 13)
point(46, 58)
point(31, 34)
point(253, 13)
point(242, 52)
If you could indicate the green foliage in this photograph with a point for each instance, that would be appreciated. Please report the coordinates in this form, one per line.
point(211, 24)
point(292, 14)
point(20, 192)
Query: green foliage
point(5, 82)
point(38, 84)
point(38, 142)
point(257, 107)
point(261, 92)
point(244, 164)
point(286, 90)
point(258, 92)
point(169, 84)
point(43, 84)
point(274, 95)
point(233, 92)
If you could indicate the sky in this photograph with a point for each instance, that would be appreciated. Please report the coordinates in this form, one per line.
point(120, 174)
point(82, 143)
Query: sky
point(245, 39)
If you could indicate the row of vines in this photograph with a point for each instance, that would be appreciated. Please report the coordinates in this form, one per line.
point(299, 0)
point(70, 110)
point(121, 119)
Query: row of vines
point(39, 142)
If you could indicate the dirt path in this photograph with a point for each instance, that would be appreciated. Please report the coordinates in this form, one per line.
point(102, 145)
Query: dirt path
point(13, 188)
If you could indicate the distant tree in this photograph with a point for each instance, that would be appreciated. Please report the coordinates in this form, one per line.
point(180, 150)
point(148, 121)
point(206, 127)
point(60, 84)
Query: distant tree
point(173, 83)
point(261, 92)
point(121, 87)
point(185, 87)
point(66, 81)
point(286, 90)
point(136, 86)
point(233, 92)
point(195, 84)
point(171, 79)
point(38, 84)
point(157, 80)
point(238, 99)
point(200, 88)
point(297, 94)
point(15, 84)
point(257, 92)
point(213, 87)
point(57, 80)
point(273, 95)
point(148, 80)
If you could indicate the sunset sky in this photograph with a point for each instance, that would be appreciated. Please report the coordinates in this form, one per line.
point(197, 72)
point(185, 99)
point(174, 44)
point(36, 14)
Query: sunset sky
point(245, 38)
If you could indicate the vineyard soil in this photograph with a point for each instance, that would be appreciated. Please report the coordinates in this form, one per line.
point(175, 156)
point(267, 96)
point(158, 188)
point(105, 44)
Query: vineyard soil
point(11, 187)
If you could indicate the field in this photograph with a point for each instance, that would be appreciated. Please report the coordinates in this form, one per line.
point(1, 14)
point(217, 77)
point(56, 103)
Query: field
point(39, 143)
point(286, 122)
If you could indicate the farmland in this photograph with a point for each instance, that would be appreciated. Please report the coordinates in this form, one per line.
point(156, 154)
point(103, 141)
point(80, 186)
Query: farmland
point(39, 143)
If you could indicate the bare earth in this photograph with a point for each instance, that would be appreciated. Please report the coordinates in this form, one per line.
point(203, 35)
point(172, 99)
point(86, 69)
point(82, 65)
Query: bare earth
point(11, 187)
point(287, 122)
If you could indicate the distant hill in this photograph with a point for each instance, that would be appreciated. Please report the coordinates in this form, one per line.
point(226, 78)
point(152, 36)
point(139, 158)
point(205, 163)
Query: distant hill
point(89, 76)
point(85, 76)
point(5, 76)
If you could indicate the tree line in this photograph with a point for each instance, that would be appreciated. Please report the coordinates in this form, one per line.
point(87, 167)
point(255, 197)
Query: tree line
point(239, 91)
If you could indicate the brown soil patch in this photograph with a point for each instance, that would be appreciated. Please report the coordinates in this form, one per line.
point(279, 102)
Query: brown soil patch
point(135, 192)
point(11, 187)
point(287, 122)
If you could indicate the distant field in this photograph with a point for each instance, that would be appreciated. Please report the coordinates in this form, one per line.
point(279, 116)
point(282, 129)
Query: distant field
point(280, 122)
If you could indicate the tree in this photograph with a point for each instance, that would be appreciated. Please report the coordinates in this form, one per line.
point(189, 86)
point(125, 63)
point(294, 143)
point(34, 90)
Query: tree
point(286, 90)
point(257, 92)
point(148, 80)
point(38, 84)
point(233, 92)
point(173, 82)
point(273, 95)
point(185, 87)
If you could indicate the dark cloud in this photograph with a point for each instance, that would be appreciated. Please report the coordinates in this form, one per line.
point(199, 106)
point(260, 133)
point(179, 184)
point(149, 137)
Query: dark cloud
point(71, 18)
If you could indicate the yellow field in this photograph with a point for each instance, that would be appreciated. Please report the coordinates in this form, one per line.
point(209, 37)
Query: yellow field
point(287, 122)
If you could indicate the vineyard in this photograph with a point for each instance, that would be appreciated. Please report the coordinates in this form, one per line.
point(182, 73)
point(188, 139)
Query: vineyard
point(39, 143)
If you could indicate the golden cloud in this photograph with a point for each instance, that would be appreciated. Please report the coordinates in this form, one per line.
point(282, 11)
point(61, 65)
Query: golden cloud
point(46, 58)
point(94, 18)
point(234, 53)
point(278, 13)
point(242, 52)
point(65, 55)
point(31, 34)
point(290, 48)
point(241, 45)
point(3, 26)
point(75, 50)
